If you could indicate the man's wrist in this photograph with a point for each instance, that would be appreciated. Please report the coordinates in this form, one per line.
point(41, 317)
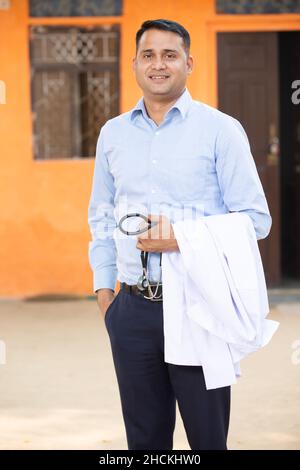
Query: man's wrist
point(174, 245)
point(104, 288)
point(105, 293)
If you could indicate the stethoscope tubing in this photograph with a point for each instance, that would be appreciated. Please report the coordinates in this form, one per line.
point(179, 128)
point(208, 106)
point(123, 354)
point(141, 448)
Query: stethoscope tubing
point(144, 254)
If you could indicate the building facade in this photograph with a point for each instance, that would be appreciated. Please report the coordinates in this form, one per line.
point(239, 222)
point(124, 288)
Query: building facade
point(65, 68)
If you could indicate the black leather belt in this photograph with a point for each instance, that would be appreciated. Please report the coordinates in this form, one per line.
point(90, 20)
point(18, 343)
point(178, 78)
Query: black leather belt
point(134, 290)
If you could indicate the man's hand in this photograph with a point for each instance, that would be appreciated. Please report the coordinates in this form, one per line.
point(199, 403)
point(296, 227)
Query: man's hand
point(159, 238)
point(104, 299)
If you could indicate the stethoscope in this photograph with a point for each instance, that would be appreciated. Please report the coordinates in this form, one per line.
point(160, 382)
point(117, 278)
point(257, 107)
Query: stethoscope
point(143, 281)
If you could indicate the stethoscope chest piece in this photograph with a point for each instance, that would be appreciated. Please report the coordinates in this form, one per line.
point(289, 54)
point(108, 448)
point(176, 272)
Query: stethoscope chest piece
point(142, 283)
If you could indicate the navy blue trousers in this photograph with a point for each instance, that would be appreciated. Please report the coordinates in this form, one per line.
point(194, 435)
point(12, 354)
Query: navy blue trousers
point(149, 387)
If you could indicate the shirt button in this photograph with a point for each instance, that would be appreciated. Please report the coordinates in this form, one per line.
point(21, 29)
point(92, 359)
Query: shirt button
point(157, 133)
point(154, 161)
point(153, 191)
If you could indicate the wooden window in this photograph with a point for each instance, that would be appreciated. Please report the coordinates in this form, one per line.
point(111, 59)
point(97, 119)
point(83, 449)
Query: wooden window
point(44, 8)
point(74, 87)
point(257, 6)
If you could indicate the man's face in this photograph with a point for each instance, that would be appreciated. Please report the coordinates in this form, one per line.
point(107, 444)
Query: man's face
point(161, 65)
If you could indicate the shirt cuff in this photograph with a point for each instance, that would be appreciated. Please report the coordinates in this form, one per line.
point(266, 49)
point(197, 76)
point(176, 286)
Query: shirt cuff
point(104, 278)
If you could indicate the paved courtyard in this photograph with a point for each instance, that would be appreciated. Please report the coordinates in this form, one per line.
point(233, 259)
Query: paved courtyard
point(59, 391)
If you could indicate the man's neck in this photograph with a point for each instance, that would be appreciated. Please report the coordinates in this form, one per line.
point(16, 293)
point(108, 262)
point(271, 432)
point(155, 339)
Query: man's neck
point(157, 109)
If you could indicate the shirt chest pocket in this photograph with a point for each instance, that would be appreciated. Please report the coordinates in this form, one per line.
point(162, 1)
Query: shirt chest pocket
point(188, 176)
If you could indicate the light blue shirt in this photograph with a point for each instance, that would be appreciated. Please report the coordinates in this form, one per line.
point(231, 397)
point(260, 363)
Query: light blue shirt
point(197, 162)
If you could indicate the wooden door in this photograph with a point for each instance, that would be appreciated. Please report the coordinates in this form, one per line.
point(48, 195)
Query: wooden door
point(290, 155)
point(248, 90)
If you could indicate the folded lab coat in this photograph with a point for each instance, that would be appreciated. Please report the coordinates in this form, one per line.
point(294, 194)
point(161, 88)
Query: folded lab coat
point(215, 297)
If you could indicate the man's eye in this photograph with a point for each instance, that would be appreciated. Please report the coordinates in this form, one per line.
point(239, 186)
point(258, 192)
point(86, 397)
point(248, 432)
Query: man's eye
point(171, 56)
point(147, 55)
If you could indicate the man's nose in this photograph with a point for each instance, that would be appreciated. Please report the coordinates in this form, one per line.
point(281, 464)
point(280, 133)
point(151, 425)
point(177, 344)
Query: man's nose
point(158, 63)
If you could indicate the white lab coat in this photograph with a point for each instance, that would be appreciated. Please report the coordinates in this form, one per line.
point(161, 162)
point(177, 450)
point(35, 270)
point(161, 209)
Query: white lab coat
point(215, 297)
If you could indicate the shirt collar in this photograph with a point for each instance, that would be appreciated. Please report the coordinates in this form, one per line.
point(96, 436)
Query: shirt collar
point(182, 104)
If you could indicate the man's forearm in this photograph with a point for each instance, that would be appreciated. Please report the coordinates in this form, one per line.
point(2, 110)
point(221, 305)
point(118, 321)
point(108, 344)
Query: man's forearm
point(173, 245)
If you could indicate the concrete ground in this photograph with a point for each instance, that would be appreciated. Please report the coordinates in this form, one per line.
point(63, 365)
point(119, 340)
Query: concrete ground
point(58, 388)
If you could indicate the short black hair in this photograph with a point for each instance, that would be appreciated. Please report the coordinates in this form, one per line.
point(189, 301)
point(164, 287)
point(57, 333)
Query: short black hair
point(165, 25)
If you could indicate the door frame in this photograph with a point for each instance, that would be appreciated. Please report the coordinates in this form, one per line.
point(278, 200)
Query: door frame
point(234, 24)
point(242, 24)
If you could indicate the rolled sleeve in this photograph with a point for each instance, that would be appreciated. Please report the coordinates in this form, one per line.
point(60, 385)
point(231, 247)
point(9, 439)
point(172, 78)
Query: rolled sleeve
point(238, 178)
point(102, 249)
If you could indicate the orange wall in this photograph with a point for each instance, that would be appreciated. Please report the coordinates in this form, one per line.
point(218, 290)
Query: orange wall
point(43, 204)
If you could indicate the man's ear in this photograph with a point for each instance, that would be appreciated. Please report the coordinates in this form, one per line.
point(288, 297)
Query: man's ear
point(190, 63)
point(133, 64)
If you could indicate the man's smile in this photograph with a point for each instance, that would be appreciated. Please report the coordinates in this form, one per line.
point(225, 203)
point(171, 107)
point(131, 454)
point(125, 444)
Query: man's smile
point(158, 78)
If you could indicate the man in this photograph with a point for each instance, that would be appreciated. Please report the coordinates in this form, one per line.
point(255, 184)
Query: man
point(167, 153)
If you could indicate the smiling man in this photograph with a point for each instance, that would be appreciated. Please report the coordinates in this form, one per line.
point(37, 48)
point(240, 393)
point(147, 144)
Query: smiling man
point(167, 154)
